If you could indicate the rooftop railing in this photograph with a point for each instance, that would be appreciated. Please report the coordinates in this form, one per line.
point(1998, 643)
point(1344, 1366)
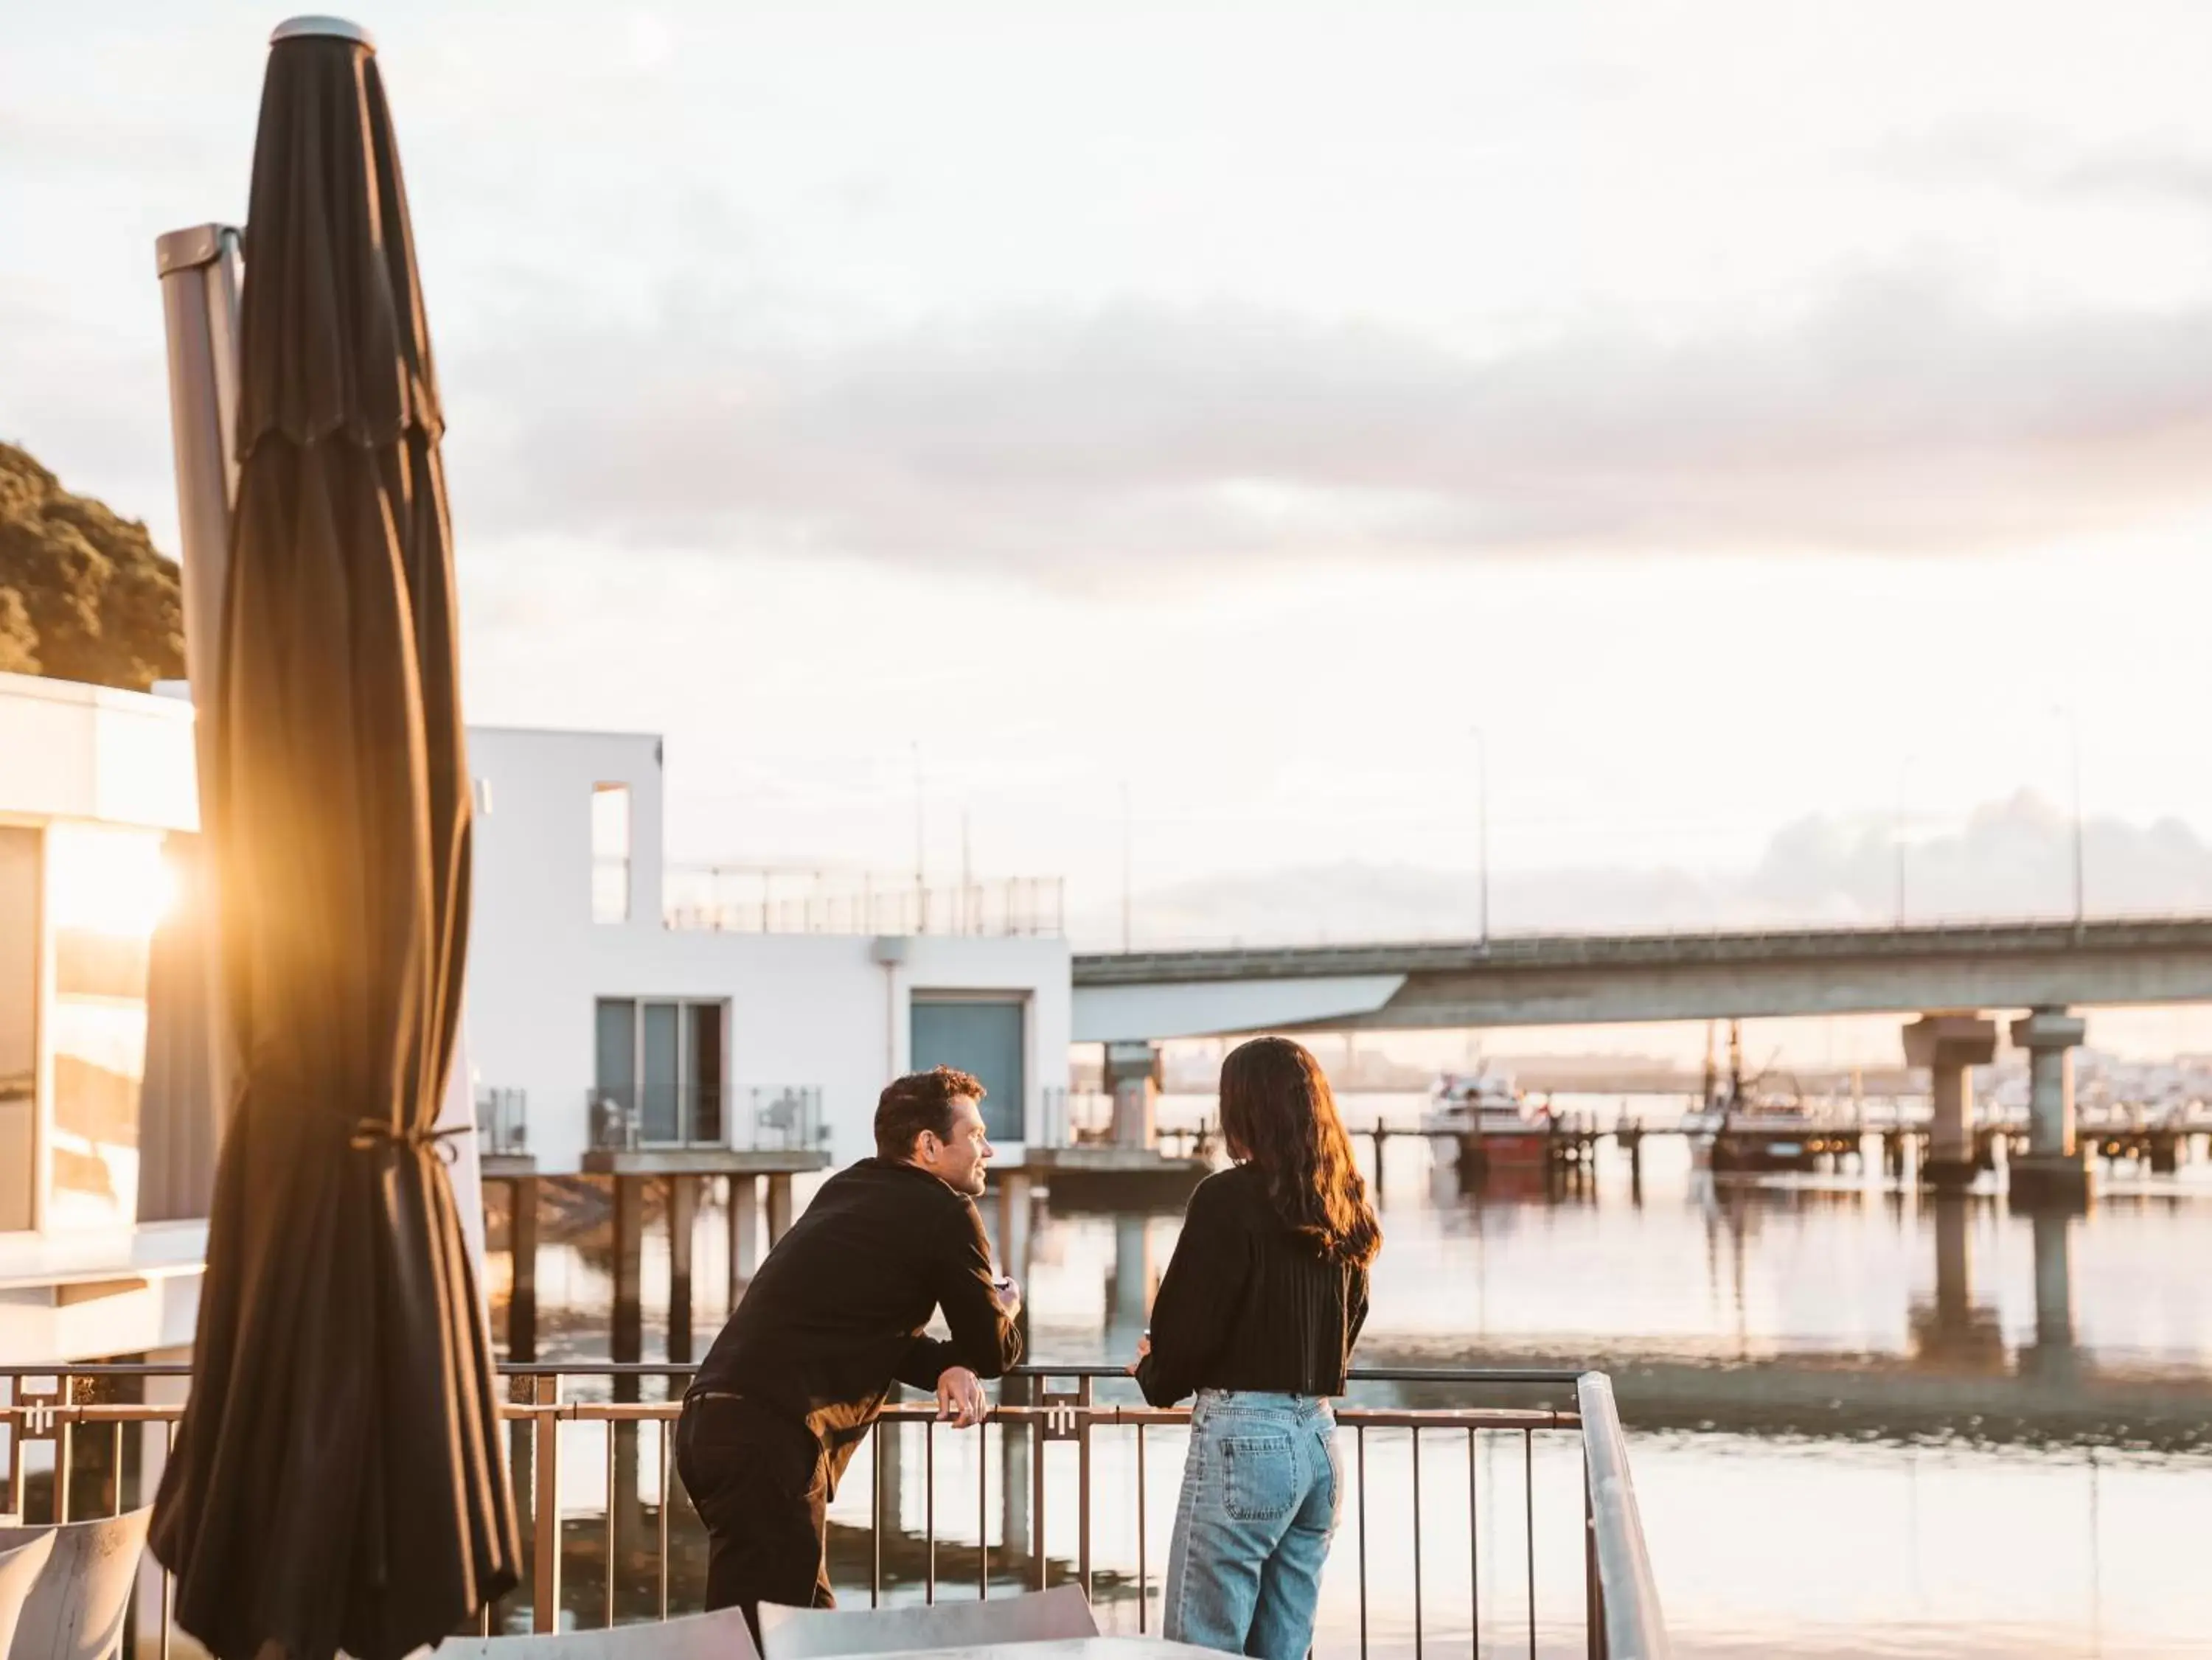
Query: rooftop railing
point(751, 900)
point(1440, 1543)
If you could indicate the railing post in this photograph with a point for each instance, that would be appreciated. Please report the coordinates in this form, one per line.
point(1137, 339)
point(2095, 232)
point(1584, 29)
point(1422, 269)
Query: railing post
point(1083, 1487)
point(1593, 1584)
point(545, 1506)
point(16, 1462)
point(1039, 1392)
point(64, 1449)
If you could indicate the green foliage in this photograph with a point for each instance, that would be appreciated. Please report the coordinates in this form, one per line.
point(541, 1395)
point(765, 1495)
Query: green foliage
point(84, 595)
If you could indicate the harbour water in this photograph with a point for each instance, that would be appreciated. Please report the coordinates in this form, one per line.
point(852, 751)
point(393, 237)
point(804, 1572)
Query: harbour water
point(1863, 1423)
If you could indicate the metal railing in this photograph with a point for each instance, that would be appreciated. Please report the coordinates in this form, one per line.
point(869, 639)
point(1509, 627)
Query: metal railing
point(1405, 1594)
point(751, 899)
point(781, 1117)
point(625, 1119)
point(1067, 1117)
point(503, 1122)
point(784, 1116)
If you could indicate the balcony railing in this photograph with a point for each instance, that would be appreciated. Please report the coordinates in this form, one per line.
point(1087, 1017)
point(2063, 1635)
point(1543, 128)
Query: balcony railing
point(785, 1117)
point(782, 1117)
point(502, 1123)
point(745, 900)
point(1074, 1117)
point(1409, 1561)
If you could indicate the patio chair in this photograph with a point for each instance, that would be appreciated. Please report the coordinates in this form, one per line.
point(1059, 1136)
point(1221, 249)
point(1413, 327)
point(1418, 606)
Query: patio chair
point(18, 1576)
point(821, 1633)
point(719, 1636)
point(74, 1611)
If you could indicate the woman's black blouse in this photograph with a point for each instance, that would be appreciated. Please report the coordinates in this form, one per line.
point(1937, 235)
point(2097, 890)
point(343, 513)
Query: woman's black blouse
point(1246, 1305)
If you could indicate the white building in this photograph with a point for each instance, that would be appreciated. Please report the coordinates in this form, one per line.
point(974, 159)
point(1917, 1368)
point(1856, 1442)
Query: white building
point(590, 1018)
point(582, 991)
point(92, 782)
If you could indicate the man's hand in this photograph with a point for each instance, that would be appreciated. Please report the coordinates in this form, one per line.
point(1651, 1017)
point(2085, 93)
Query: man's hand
point(1144, 1347)
point(960, 1397)
point(1008, 1291)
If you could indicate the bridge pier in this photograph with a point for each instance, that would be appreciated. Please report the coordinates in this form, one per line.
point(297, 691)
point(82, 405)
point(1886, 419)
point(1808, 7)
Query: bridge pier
point(1950, 1046)
point(2053, 1171)
point(1129, 1289)
point(1133, 1079)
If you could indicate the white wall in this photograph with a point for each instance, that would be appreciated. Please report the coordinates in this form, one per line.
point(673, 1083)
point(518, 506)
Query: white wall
point(68, 751)
point(804, 1009)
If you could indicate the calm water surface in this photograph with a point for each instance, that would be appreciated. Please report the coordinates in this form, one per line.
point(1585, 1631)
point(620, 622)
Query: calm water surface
point(1864, 1423)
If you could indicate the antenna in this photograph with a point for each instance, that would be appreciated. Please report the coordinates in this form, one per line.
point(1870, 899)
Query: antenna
point(920, 849)
point(1126, 837)
point(966, 923)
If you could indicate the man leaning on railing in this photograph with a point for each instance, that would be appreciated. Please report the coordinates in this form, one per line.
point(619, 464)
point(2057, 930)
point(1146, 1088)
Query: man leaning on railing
point(835, 1316)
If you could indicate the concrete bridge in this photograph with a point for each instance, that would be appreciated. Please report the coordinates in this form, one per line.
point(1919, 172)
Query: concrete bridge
point(1591, 979)
point(1131, 1001)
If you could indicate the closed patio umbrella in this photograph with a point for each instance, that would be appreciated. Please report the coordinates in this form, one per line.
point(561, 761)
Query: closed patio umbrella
point(338, 1481)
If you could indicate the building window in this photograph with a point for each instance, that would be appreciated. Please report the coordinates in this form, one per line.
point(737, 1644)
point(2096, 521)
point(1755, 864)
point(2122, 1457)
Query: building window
point(108, 889)
point(609, 852)
point(984, 1036)
point(661, 1075)
point(20, 885)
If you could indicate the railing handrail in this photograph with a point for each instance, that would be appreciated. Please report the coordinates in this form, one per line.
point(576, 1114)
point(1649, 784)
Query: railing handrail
point(1038, 1370)
point(1628, 1594)
point(1097, 1414)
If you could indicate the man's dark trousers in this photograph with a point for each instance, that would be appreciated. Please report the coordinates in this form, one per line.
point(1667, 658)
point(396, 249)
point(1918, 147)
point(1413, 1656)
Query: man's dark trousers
point(762, 1483)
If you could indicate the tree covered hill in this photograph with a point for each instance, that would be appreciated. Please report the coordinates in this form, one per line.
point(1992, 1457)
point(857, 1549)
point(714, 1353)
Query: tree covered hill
point(83, 593)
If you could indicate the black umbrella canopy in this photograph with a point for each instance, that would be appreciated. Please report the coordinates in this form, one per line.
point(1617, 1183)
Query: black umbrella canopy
point(338, 1481)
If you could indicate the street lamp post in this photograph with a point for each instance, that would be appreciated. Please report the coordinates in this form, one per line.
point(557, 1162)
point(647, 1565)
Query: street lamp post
point(1904, 771)
point(2074, 754)
point(1126, 840)
point(1482, 834)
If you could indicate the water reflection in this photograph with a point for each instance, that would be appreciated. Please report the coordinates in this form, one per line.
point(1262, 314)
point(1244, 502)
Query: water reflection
point(1870, 1421)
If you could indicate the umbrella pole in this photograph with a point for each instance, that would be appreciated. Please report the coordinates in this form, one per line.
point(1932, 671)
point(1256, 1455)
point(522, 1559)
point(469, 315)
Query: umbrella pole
point(199, 270)
point(199, 274)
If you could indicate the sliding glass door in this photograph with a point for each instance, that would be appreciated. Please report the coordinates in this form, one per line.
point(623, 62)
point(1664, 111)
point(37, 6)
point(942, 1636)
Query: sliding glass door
point(661, 1062)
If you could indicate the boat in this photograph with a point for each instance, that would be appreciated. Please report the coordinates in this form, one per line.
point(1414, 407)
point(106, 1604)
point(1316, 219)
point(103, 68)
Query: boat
point(1744, 1128)
point(1481, 1122)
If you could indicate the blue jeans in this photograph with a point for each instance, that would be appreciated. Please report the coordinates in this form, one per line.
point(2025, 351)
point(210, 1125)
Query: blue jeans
point(1262, 1491)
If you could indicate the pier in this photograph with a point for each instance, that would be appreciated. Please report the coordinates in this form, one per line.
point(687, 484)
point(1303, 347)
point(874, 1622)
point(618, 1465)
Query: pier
point(758, 1187)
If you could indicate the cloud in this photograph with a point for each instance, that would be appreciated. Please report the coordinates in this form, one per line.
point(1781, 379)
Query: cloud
point(1899, 417)
point(2010, 859)
point(2040, 160)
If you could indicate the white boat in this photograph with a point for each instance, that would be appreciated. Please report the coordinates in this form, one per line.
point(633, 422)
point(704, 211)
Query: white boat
point(1487, 1105)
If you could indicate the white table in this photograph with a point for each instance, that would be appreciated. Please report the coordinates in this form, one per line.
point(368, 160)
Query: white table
point(1070, 1648)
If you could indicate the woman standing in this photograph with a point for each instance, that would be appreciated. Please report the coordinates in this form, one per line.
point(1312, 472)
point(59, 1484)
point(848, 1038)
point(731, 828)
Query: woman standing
point(1258, 1313)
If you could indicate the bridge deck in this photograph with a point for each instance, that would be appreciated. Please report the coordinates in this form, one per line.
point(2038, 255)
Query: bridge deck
point(1595, 979)
point(1512, 952)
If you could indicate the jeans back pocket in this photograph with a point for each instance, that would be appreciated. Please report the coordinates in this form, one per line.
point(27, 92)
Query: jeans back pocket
point(1259, 1478)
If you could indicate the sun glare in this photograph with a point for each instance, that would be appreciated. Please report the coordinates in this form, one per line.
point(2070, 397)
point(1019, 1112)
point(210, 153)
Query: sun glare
point(108, 881)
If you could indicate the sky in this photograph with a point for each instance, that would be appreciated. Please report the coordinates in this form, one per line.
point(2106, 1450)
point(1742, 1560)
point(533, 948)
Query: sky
point(1738, 414)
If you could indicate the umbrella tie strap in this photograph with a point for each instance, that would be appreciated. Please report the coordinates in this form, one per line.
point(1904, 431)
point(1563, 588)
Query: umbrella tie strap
point(367, 1133)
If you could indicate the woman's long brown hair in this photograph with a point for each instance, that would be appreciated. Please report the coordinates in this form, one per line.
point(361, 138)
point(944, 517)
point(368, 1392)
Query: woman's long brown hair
point(1280, 1116)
